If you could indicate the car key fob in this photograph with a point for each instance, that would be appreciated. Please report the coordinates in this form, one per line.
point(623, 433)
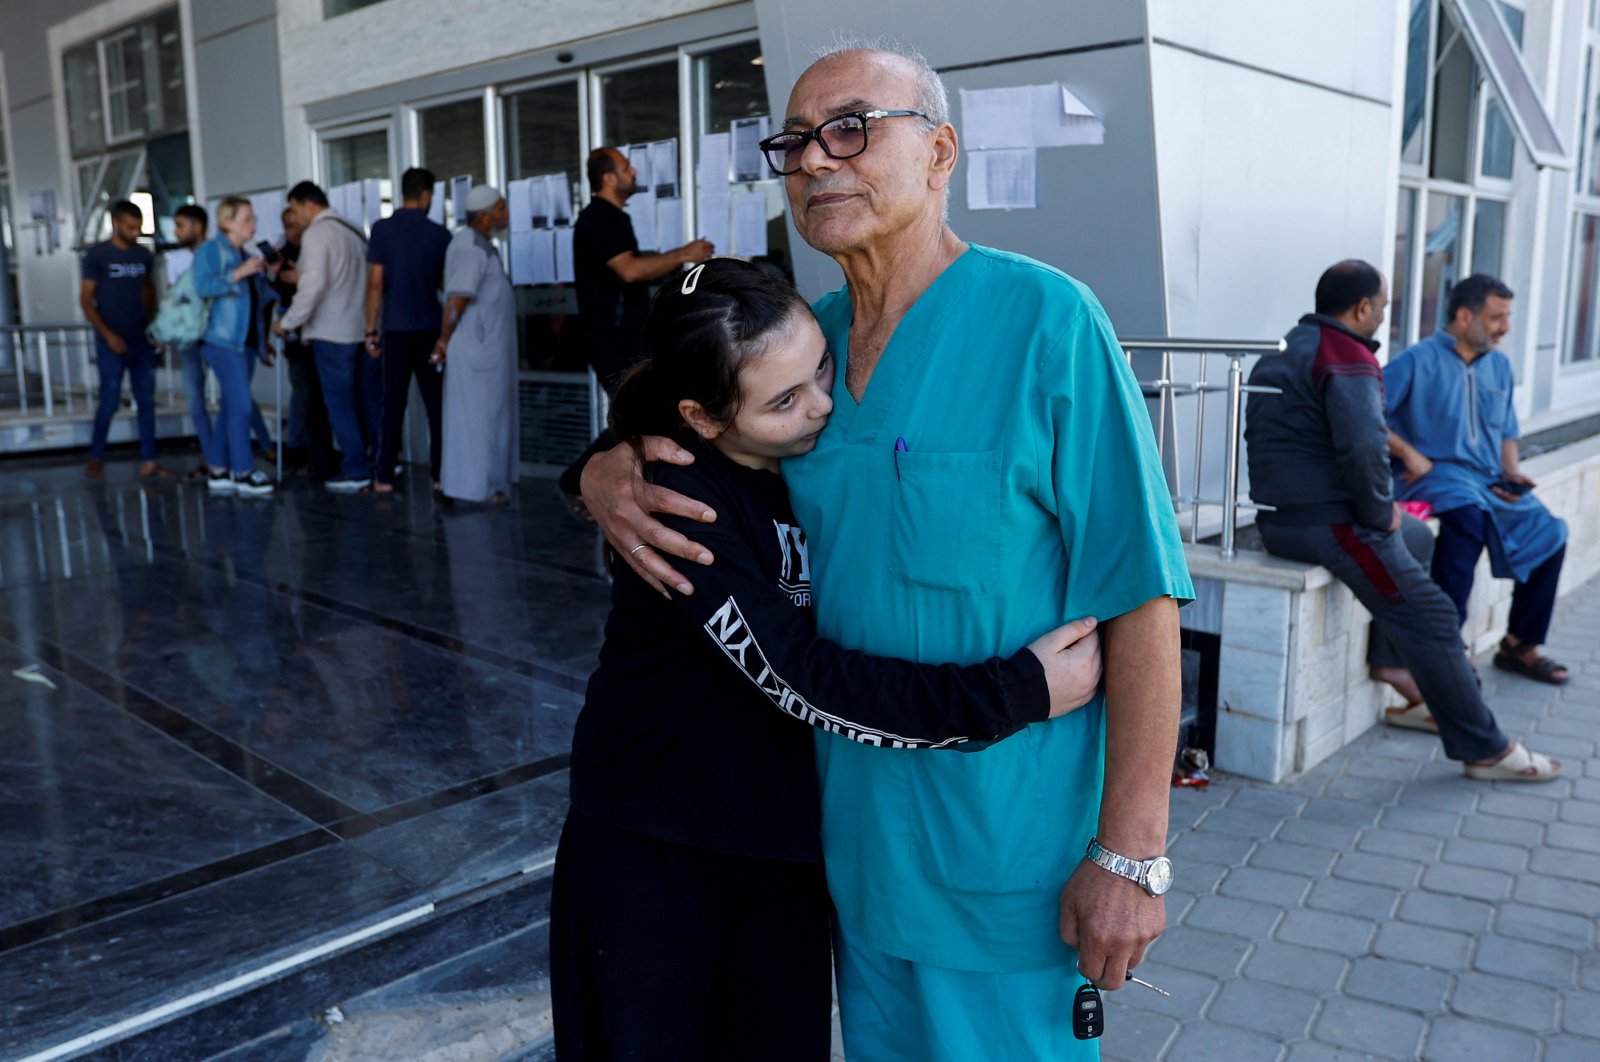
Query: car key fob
point(1088, 1013)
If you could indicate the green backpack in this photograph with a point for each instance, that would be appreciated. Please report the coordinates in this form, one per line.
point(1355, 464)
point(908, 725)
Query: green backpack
point(181, 319)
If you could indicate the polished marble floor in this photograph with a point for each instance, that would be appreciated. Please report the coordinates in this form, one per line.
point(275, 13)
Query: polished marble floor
point(231, 729)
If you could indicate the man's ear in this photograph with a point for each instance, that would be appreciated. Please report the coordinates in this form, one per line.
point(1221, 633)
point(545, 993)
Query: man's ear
point(946, 149)
point(695, 415)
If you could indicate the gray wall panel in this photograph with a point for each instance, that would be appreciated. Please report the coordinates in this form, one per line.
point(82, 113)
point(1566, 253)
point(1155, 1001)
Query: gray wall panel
point(213, 17)
point(241, 110)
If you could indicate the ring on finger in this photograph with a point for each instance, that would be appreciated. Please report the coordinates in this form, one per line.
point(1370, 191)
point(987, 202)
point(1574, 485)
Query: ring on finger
point(637, 548)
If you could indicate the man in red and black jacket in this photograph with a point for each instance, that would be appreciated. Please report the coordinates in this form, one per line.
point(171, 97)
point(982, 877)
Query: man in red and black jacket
point(1318, 456)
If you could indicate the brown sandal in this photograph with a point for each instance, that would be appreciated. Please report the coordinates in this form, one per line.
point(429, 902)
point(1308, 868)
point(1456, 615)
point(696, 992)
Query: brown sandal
point(1542, 668)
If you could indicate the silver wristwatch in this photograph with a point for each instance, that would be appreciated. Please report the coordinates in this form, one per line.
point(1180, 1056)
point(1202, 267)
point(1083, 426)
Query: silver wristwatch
point(1154, 876)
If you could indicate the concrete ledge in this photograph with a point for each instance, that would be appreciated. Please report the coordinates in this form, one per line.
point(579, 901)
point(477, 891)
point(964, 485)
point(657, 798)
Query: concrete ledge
point(1292, 684)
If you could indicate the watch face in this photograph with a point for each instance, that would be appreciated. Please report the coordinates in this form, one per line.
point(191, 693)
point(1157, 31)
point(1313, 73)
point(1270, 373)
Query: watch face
point(1159, 876)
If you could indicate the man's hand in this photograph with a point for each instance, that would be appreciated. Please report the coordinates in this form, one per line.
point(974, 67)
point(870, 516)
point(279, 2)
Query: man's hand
point(249, 268)
point(1512, 477)
point(374, 346)
point(288, 273)
point(1110, 921)
point(1417, 465)
point(621, 501)
point(267, 358)
point(277, 327)
point(116, 344)
point(697, 251)
point(439, 355)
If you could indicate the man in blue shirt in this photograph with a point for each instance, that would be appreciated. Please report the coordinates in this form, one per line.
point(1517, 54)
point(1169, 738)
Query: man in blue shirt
point(1453, 437)
point(989, 468)
point(118, 297)
point(405, 269)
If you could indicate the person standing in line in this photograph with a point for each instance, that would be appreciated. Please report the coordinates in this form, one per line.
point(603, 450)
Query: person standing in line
point(479, 339)
point(118, 298)
point(189, 224)
point(1318, 454)
point(308, 440)
point(328, 311)
point(1453, 436)
point(234, 338)
point(613, 286)
point(405, 270)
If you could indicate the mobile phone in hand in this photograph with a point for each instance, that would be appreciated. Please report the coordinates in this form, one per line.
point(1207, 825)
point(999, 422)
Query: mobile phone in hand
point(1519, 489)
point(269, 252)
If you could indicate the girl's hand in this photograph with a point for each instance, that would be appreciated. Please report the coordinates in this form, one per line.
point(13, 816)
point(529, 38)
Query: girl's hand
point(1072, 667)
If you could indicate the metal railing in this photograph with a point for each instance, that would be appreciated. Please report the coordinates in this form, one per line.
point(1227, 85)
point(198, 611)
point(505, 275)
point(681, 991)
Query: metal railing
point(1167, 390)
point(52, 369)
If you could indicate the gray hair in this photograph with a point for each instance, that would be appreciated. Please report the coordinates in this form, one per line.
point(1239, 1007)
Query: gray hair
point(932, 98)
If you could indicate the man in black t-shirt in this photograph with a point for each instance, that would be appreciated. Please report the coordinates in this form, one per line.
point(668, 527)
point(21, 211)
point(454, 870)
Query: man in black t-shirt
point(118, 297)
point(613, 281)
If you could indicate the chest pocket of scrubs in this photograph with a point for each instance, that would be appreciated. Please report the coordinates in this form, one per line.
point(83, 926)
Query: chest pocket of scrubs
point(1492, 405)
point(947, 517)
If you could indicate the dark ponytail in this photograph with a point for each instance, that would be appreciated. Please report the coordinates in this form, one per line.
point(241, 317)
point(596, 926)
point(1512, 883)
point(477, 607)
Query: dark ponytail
point(704, 326)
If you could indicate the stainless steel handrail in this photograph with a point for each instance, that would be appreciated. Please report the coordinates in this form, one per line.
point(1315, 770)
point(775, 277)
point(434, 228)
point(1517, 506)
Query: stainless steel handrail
point(1235, 350)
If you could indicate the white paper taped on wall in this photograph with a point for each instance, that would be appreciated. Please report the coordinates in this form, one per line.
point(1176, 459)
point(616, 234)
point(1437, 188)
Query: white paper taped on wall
point(1027, 116)
point(268, 208)
point(750, 224)
point(460, 188)
point(1002, 180)
point(566, 272)
point(664, 168)
point(669, 223)
point(436, 208)
point(641, 210)
point(748, 133)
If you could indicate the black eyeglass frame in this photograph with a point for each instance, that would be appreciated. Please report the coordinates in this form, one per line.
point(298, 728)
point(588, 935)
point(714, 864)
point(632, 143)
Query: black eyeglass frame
point(770, 143)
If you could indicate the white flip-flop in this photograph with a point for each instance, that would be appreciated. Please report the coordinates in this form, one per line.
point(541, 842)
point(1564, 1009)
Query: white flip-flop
point(1521, 764)
point(1411, 717)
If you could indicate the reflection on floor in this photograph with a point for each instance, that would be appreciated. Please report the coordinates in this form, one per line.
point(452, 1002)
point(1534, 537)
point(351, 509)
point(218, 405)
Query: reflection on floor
point(237, 731)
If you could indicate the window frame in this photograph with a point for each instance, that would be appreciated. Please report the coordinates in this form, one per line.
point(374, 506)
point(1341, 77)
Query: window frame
point(103, 46)
point(1585, 205)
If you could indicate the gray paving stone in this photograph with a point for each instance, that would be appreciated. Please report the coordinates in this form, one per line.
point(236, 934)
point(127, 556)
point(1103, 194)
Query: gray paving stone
point(1443, 792)
point(1544, 926)
point(1296, 966)
point(1489, 855)
point(1382, 768)
point(1134, 1035)
point(1201, 1042)
point(1366, 790)
point(1441, 949)
point(1373, 869)
point(1445, 912)
point(1505, 1001)
point(1523, 833)
point(1400, 984)
point(1265, 886)
point(1518, 806)
point(1191, 989)
point(1211, 847)
point(1470, 882)
point(1321, 834)
point(1341, 812)
point(1192, 878)
point(1399, 843)
point(1558, 893)
point(1267, 800)
point(1570, 1048)
point(1241, 918)
point(1567, 864)
point(1568, 835)
point(1201, 950)
point(1338, 933)
point(1282, 1013)
point(1386, 1032)
point(1422, 820)
point(1314, 1051)
point(1580, 1015)
point(1452, 1039)
point(1293, 858)
point(1353, 897)
point(1526, 961)
point(1236, 822)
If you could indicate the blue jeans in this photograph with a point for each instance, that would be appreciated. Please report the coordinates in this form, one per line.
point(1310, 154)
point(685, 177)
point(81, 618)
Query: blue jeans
point(258, 423)
point(140, 365)
point(338, 365)
point(194, 391)
point(230, 441)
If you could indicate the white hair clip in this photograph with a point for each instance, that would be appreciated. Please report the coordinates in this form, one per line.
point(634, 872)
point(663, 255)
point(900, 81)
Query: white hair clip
point(692, 280)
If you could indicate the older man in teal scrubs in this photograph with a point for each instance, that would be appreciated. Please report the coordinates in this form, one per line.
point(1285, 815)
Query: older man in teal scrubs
point(989, 471)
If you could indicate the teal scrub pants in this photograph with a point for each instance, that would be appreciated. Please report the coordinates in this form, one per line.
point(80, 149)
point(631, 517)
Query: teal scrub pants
point(894, 1010)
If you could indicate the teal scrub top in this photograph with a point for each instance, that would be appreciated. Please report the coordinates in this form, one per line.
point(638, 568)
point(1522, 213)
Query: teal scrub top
point(998, 478)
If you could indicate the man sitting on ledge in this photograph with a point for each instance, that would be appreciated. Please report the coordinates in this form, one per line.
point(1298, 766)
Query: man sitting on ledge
point(1453, 434)
point(1318, 454)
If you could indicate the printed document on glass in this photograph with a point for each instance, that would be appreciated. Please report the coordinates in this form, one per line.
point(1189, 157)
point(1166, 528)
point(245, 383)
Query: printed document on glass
point(268, 207)
point(641, 209)
point(714, 157)
point(664, 168)
point(748, 133)
point(460, 188)
point(544, 256)
point(1002, 180)
point(1027, 116)
point(566, 272)
point(519, 201)
point(436, 208)
point(371, 201)
point(559, 191)
point(639, 156)
point(669, 223)
point(750, 224)
point(521, 257)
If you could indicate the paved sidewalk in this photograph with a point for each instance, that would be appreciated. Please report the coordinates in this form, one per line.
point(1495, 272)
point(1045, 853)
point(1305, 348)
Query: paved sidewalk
point(1383, 906)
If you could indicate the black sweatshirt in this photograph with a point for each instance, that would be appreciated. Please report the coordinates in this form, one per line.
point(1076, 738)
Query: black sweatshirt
point(692, 730)
point(1319, 452)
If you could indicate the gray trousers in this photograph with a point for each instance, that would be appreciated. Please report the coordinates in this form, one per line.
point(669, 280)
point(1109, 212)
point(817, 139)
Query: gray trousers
point(1414, 625)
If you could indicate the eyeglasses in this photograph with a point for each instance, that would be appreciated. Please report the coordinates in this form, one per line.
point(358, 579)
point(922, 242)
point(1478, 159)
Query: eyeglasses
point(843, 136)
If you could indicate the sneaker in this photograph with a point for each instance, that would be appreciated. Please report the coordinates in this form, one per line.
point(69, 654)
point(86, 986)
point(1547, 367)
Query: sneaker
point(221, 483)
point(256, 483)
point(344, 485)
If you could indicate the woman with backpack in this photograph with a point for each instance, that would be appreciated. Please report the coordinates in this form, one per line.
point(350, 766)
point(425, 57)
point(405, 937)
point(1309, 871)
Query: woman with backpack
point(234, 336)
